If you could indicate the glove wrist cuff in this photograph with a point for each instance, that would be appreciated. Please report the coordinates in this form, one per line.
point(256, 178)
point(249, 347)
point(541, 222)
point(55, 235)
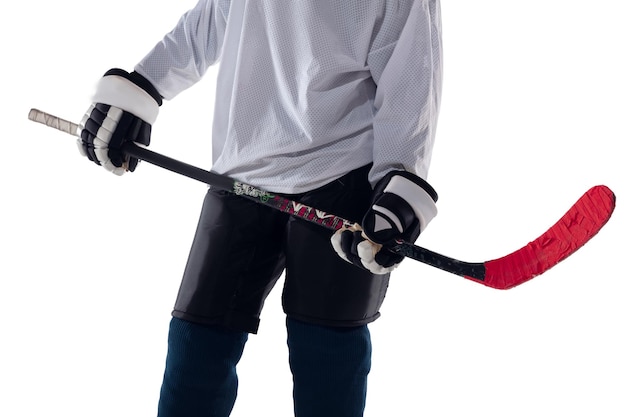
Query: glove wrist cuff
point(140, 80)
point(118, 90)
point(419, 199)
point(416, 192)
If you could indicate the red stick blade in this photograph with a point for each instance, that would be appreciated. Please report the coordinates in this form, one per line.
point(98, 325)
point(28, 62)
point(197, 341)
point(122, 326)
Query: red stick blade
point(581, 222)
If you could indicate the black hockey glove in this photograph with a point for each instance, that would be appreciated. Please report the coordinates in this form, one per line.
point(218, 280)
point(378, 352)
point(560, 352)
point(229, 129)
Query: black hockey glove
point(124, 108)
point(402, 206)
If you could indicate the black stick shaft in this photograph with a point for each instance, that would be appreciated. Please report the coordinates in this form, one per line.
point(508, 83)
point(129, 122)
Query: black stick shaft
point(466, 269)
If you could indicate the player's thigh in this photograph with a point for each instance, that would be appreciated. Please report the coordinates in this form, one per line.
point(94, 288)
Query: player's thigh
point(235, 259)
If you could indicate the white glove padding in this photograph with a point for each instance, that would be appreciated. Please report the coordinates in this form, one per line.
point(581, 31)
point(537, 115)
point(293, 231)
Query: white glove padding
point(352, 246)
point(402, 207)
point(124, 108)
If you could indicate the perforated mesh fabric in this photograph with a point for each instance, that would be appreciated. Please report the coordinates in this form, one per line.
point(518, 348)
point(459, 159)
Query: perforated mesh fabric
point(308, 90)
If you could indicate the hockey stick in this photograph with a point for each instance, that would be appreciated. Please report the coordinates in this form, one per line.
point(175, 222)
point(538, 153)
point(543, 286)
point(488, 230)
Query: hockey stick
point(579, 224)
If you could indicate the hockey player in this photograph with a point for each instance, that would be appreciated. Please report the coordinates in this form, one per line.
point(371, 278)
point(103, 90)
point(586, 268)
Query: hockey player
point(333, 103)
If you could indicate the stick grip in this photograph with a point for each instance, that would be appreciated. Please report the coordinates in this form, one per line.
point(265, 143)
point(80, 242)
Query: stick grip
point(53, 121)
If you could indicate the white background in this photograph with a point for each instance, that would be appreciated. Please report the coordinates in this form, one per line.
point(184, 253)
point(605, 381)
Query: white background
point(533, 115)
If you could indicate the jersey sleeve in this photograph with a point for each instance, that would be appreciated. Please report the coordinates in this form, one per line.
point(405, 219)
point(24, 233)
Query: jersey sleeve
point(408, 73)
point(182, 57)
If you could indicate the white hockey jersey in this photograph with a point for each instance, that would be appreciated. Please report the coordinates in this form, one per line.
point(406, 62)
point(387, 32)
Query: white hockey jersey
point(308, 90)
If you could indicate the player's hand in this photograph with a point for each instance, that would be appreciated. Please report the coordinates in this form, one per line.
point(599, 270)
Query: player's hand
point(403, 204)
point(124, 108)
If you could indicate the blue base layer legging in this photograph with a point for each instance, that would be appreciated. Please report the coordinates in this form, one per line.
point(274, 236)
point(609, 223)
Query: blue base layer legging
point(329, 366)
